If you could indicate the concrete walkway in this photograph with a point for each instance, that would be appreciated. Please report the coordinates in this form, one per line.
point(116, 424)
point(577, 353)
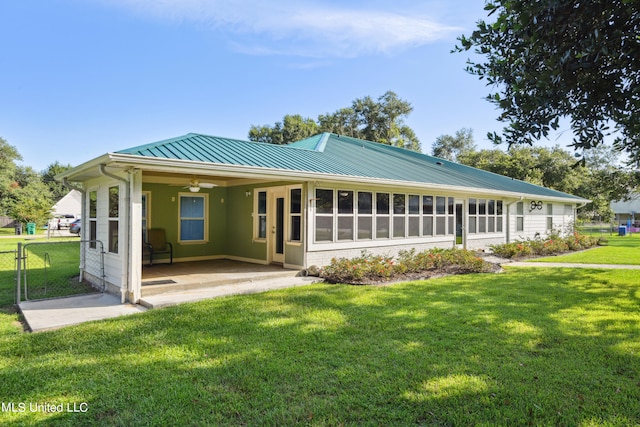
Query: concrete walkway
point(56, 313)
point(571, 265)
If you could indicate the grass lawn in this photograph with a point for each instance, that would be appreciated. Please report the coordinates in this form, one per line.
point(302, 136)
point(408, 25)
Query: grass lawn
point(619, 250)
point(524, 347)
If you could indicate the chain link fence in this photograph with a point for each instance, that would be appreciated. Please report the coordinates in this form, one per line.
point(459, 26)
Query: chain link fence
point(57, 269)
point(8, 277)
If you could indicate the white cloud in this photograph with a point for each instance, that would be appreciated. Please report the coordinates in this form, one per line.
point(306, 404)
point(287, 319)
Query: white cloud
point(299, 28)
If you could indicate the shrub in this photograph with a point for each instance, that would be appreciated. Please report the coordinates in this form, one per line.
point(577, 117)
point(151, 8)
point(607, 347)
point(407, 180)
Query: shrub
point(368, 268)
point(552, 245)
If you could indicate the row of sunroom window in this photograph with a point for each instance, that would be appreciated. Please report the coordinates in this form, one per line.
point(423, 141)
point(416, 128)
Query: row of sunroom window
point(343, 215)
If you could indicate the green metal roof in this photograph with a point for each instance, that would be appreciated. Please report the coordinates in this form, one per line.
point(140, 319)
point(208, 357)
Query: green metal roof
point(338, 155)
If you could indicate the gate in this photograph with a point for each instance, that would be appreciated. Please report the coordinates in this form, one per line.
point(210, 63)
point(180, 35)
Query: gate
point(57, 269)
point(7, 277)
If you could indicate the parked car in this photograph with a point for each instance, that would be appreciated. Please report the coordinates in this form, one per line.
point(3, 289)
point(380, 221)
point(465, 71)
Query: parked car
point(65, 221)
point(74, 228)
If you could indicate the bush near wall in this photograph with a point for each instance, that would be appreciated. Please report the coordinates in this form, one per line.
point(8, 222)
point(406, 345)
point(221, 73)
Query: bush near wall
point(552, 245)
point(369, 269)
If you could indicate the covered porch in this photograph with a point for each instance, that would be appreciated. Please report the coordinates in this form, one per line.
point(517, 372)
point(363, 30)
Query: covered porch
point(169, 284)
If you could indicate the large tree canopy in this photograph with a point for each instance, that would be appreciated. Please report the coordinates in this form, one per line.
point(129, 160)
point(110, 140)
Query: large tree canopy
point(380, 121)
point(57, 189)
point(23, 196)
point(553, 59)
point(599, 178)
point(451, 147)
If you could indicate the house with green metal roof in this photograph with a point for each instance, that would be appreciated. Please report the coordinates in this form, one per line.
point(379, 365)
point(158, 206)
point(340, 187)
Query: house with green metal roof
point(296, 205)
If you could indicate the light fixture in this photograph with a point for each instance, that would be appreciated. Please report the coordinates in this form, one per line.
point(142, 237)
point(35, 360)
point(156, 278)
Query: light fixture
point(247, 193)
point(194, 189)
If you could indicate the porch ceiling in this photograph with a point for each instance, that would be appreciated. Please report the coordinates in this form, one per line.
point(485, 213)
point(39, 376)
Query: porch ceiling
point(183, 179)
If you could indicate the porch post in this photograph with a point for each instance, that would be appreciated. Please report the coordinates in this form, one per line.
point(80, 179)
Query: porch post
point(135, 239)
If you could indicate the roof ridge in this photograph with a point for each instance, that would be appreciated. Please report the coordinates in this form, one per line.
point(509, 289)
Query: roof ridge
point(202, 135)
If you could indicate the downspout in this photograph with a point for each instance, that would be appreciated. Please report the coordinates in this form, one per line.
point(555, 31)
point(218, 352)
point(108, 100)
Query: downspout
point(575, 214)
point(103, 171)
point(509, 217)
point(83, 204)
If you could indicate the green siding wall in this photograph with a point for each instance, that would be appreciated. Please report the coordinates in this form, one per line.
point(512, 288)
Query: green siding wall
point(164, 214)
point(230, 223)
point(240, 225)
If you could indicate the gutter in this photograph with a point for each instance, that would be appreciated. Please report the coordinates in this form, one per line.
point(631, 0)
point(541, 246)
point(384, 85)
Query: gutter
point(102, 168)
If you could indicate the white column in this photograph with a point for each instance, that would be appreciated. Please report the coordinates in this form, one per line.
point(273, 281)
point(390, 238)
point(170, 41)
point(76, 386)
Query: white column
point(135, 236)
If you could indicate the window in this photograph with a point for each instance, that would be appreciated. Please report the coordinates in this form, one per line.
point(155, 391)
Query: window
point(93, 218)
point(398, 215)
point(382, 215)
point(441, 218)
point(345, 215)
point(491, 218)
point(414, 216)
point(324, 215)
point(365, 215)
point(427, 215)
point(482, 216)
point(295, 214)
point(520, 216)
point(549, 216)
point(193, 219)
point(114, 213)
point(261, 215)
point(473, 218)
point(485, 216)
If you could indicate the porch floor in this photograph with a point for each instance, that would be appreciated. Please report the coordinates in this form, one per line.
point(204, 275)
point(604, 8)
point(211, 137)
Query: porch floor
point(165, 284)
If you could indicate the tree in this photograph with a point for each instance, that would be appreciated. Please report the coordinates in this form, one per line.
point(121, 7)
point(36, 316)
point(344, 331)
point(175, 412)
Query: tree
point(292, 128)
point(451, 147)
point(8, 156)
point(380, 121)
point(56, 188)
point(551, 59)
point(31, 203)
point(549, 167)
point(23, 195)
point(599, 179)
point(606, 181)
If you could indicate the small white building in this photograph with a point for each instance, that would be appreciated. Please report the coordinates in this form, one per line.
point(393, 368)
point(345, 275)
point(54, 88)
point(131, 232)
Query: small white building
point(628, 212)
point(68, 209)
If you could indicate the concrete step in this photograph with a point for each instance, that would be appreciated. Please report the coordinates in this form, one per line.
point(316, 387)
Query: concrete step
point(263, 284)
point(205, 281)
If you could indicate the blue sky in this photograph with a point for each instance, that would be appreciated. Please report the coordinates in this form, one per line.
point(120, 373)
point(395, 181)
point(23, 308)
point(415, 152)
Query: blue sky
point(80, 78)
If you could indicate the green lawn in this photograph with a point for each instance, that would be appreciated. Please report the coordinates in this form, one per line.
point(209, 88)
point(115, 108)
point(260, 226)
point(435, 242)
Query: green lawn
point(619, 250)
point(524, 347)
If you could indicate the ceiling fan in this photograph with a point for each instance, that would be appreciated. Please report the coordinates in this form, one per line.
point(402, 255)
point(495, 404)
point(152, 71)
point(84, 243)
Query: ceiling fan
point(195, 185)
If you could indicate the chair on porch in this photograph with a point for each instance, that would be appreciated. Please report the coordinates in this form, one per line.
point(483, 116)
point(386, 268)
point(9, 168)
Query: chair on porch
point(156, 243)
